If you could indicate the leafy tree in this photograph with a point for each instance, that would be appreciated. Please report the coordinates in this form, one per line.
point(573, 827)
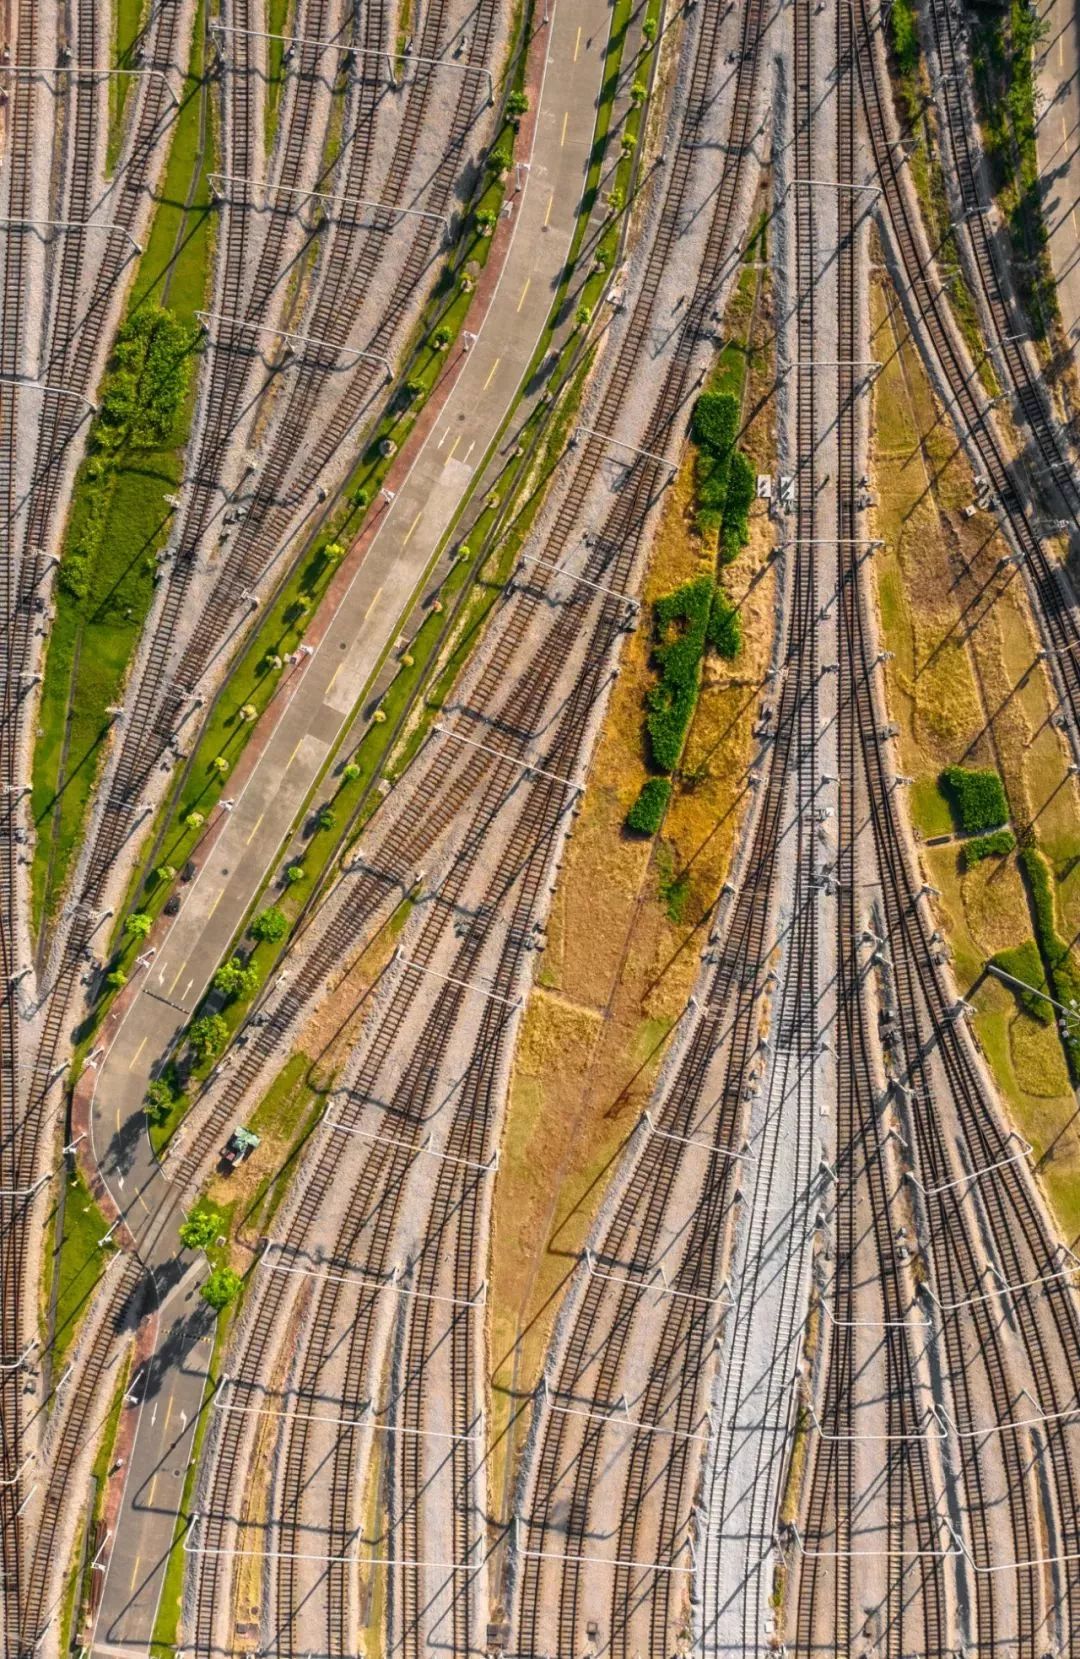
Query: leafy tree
point(221, 1288)
point(138, 924)
point(517, 104)
point(294, 873)
point(199, 1228)
point(270, 925)
point(207, 1036)
point(233, 979)
point(351, 772)
point(159, 1100)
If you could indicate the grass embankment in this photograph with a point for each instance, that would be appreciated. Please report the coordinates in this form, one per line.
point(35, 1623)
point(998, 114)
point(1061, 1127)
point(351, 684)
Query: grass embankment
point(128, 24)
point(966, 689)
point(918, 119)
point(119, 519)
point(79, 1594)
point(78, 1262)
point(615, 975)
point(1002, 53)
point(278, 13)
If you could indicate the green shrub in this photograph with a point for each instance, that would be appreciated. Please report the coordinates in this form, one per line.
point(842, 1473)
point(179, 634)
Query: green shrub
point(977, 798)
point(714, 424)
point(680, 622)
point(221, 1288)
point(159, 1099)
point(269, 925)
point(1024, 962)
point(647, 813)
point(741, 485)
point(904, 37)
point(138, 924)
point(995, 845)
point(725, 626)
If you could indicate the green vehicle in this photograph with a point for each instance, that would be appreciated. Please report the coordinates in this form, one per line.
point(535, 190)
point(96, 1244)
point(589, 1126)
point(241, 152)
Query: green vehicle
point(239, 1145)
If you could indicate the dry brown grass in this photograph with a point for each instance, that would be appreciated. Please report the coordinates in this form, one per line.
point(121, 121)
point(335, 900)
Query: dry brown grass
point(621, 959)
point(966, 686)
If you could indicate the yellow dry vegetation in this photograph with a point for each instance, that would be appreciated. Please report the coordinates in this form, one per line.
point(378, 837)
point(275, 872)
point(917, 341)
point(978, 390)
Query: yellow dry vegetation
point(624, 937)
point(967, 686)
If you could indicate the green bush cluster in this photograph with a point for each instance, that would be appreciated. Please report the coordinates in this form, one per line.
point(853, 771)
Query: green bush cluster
point(977, 798)
point(141, 396)
point(995, 845)
point(1060, 968)
point(680, 621)
point(1024, 962)
point(221, 1288)
point(647, 813)
point(233, 979)
point(905, 37)
point(725, 478)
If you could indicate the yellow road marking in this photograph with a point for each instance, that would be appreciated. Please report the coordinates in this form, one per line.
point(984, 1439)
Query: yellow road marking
point(494, 366)
point(524, 291)
point(292, 757)
point(373, 604)
point(411, 528)
point(179, 971)
point(215, 904)
point(577, 43)
point(135, 1572)
point(254, 829)
point(550, 205)
point(168, 1414)
point(457, 440)
point(562, 137)
point(135, 1056)
point(334, 675)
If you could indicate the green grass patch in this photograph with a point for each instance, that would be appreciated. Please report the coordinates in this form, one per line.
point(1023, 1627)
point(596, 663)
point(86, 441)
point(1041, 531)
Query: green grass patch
point(127, 28)
point(1061, 971)
point(78, 1264)
point(277, 15)
point(976, 796)
point(647, 813)
point(673, 885)
point(929, 808)
point(1024, 962)
point(995, 845)
point(119, 520)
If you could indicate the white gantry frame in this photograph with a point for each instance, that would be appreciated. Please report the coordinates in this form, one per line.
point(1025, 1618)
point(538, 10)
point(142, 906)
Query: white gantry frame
point(43, 72)
point(369, 1419)
point(418, 1149)
point(28, 383)
point(928, 1417)
point(454, 979)
point(396, 209)
point(619, 1417)
point(658, 1280)
point(626, 599)
point(208, 317)
point(1003, 1288)
point(527, 766)
point(956, 1548)
point(109, 227)
point(1025, 1151)
point(353, 1556)
point(691, 1140)
point(617, 443)
point(394, 1283)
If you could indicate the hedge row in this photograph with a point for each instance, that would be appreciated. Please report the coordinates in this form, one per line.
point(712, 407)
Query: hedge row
point(1061, 971)
point(977, 798)
point(995, 845)
point(647, 813)
point(725, 478)
point(681, 622)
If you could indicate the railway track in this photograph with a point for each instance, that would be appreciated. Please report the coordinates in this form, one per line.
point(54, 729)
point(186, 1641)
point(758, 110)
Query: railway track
point(562, 751)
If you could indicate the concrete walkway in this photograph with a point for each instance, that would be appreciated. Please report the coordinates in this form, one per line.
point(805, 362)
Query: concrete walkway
point(1058, 138)
point(319, 701)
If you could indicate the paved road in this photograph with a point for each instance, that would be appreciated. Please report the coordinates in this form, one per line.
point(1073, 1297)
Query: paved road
point(1059, 160)
point(320, 700)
